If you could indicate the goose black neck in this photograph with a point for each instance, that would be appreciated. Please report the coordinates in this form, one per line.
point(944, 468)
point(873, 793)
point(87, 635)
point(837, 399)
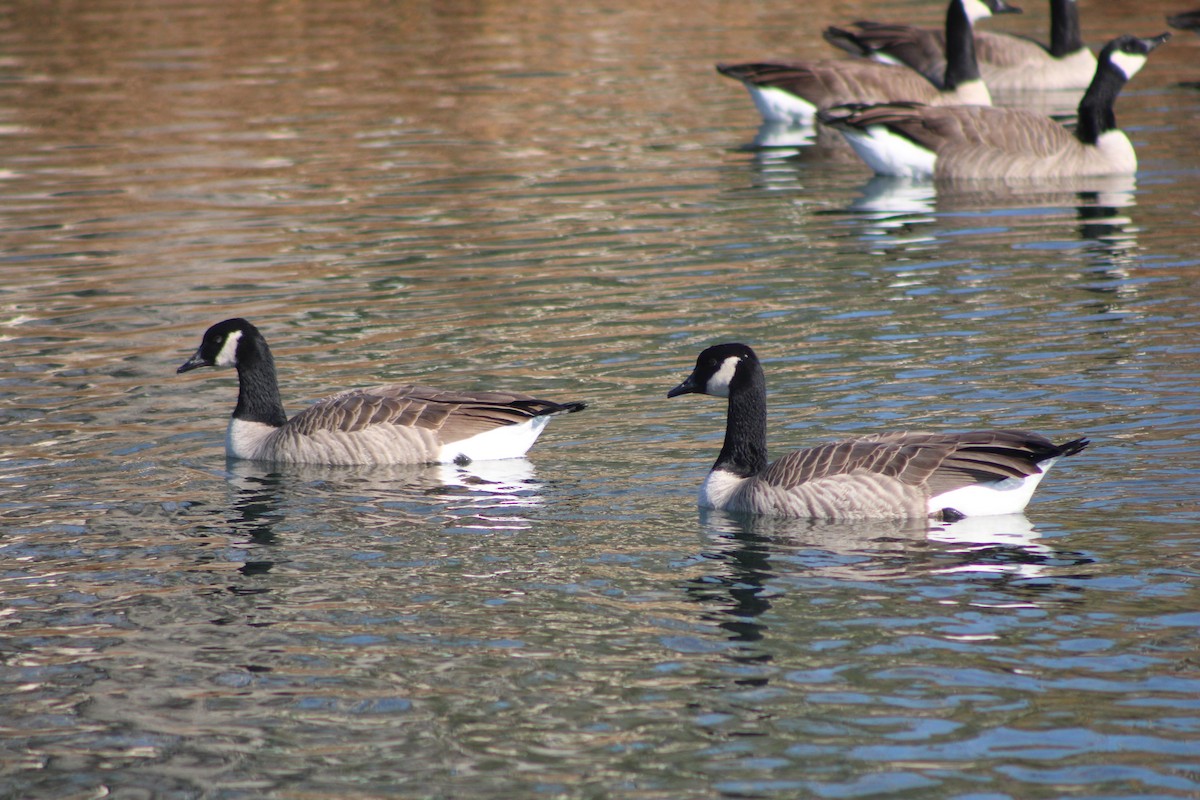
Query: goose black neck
point(744, 452)
point(1065, 35)
point(258, 388)
point(961, 66)
point(1096, 115)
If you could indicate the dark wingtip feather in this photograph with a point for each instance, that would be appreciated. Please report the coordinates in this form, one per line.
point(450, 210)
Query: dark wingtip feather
point(571, 408)
point(845, 40)
point(1187, 21)
point(739, 72)
point(1072, 447)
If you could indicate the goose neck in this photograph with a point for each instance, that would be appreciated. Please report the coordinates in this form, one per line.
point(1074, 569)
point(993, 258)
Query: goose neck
point(961, 65)
point(744, 452)
point(1065, 34)
point(258, 389)
point(1096, 115)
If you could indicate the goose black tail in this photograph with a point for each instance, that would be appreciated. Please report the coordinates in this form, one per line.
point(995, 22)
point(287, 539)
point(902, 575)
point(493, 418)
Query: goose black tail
point(1072, 447)
point(571, 408)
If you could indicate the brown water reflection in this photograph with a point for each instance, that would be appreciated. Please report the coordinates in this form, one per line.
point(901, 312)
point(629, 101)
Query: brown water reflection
point(563, 197)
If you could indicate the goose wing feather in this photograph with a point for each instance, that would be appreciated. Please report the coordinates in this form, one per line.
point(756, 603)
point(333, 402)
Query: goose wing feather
point(897, 459)
point(936, 462)
point(453, 416)
point(985, 142)
point(826, 84)
point(1012, 130)
point(922, 49)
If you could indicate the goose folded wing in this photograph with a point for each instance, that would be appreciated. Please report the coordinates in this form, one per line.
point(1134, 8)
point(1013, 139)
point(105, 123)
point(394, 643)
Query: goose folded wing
point(980, 456)
point(908, 463)
point(406, 406)
point(922, 49)
point(1016, 131)
point(939, 462)
point(828, 83)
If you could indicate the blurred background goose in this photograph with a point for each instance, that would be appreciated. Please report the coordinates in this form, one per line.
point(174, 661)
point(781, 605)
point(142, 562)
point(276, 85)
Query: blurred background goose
point(793, 91)
point(396, 424)
point(891, 475)
point(1006, 62)
point(909, 140)
point(1185, 20)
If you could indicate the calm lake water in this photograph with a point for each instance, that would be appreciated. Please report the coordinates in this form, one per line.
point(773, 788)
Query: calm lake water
point(564, 198)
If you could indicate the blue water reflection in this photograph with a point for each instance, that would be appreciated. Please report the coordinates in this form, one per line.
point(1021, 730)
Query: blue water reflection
point(567, 198)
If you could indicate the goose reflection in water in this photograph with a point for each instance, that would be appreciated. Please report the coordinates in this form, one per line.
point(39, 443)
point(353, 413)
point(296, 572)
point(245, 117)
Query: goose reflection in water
point(484, 495)
point(906, 209)
point(912, 212)
point(1005, 552)
point(1108, 232)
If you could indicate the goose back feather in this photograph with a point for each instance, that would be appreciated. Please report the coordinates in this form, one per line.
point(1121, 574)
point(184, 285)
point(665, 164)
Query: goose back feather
point(890, 475)
point(392, 424)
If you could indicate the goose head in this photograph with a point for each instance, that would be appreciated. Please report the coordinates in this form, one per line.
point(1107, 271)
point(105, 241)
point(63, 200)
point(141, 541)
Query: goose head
point(1128, 53)
point(719, 370)
point(222, 345)
point(982, 9)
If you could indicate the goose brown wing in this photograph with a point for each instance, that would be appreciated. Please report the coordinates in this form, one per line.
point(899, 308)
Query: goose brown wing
point(922, 49)
point(939, 462)
point(453, 415)
point(946, 128)
point(824, 83)
point(908, 462)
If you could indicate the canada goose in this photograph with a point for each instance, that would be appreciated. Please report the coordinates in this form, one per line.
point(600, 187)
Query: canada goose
point(896, 475)
point(397, 424)
point(908, 140)
point(1006, 62)
point(792, 92)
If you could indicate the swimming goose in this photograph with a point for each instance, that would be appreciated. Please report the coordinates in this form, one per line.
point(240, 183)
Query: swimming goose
point(908, 140)
point(1006, 62)
point(891, 475)
point(792, 92)
point(396, 424)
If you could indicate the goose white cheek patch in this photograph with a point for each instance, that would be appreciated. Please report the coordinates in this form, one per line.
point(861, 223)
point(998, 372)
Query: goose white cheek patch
point(228, 355)
point(718, 384)
point(1128, 63)
point(976, 10)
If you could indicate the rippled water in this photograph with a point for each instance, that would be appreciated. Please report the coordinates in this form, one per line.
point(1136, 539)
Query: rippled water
point(563, 198)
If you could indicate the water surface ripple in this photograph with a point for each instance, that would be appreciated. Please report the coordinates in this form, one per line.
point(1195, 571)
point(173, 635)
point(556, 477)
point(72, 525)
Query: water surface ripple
point(564, 198)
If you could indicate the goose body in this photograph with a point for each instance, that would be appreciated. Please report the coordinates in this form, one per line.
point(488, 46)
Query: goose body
point(1006, 62)
point(793, 91)
point(394, 424)
point(892, 475)
point(910, 140)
